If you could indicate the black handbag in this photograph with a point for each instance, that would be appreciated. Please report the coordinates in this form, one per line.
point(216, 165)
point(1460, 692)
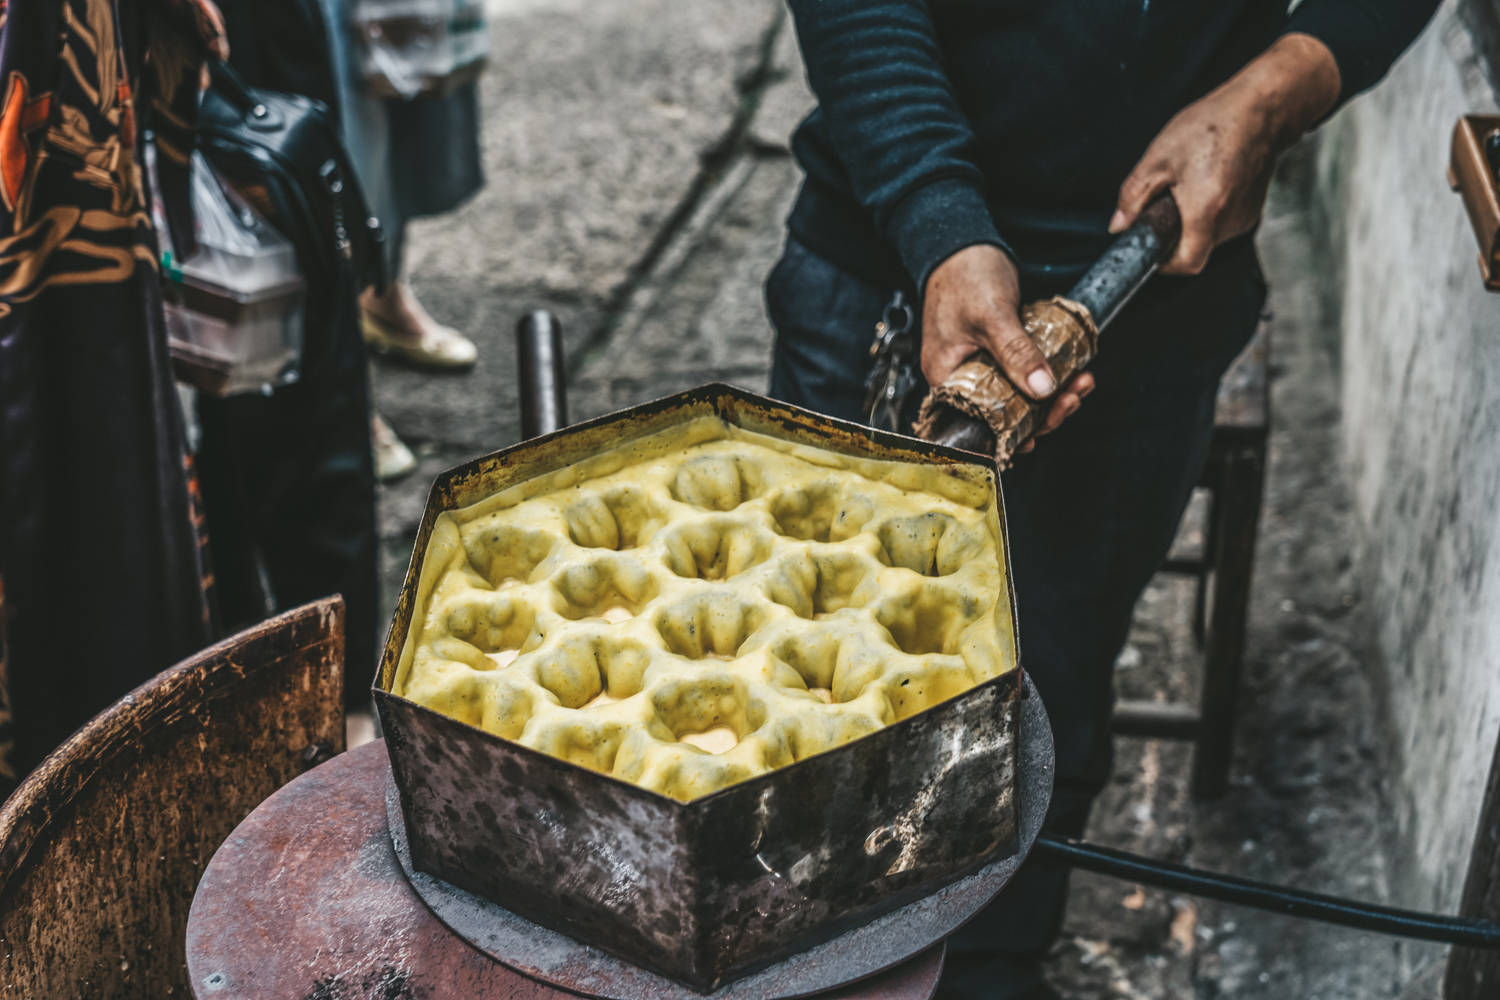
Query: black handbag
point(283, 153)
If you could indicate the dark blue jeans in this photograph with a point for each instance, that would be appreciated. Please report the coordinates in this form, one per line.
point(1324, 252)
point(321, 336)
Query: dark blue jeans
point(1091, 513)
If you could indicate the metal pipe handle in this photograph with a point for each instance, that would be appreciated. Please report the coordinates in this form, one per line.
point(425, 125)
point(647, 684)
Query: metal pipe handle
point(1103, 290)
point(543, 373)
point(1130, 260)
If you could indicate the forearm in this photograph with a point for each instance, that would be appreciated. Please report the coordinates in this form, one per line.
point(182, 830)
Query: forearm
point(1364, 37)
point(1294, 84)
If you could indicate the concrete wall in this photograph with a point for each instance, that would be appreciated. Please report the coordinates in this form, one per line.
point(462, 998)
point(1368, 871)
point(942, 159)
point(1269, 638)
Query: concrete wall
point(1419, 346)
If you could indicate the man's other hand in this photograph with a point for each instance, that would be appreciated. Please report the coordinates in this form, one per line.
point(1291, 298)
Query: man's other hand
point(972, 306)
point(1217, 154)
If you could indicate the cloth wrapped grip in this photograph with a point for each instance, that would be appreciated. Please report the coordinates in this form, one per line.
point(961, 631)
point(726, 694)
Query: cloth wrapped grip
point(1066, 335)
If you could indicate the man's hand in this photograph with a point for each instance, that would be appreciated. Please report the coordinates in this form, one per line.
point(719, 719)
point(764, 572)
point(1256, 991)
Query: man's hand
point(1216, 155)
point(972, 305)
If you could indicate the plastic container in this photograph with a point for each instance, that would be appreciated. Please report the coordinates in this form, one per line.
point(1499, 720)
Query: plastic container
point(235, 308)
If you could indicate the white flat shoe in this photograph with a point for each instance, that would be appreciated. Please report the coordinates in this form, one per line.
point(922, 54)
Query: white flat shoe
point(393, 459)
point(436, 347)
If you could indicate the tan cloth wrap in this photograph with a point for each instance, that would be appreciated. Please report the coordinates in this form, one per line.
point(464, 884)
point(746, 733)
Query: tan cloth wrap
point(1066, 335)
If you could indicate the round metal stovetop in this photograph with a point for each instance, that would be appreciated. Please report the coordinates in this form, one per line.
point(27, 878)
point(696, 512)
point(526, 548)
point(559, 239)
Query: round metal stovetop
point(313, 898)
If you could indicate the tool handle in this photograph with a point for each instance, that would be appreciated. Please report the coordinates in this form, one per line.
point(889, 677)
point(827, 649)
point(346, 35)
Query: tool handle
point(1130, 260)
point(1065, 339)
point(1103, 290)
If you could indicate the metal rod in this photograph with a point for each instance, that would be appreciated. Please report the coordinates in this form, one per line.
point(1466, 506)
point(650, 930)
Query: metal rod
point(1465, 931)
point(1158, 721)
point(539, 354)
point(959, 430)
point(1130, 260)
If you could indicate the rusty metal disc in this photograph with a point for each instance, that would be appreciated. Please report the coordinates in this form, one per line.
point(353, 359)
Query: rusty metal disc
point(306, 901)
point(885, 942)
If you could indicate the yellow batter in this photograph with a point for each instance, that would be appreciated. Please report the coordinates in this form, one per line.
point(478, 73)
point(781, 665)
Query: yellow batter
point(705, 604)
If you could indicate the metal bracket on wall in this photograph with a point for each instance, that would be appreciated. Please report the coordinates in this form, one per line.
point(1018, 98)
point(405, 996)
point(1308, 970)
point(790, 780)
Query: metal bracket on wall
point(1474, 172)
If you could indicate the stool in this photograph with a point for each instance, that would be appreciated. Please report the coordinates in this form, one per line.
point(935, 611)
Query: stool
point(1234, 476)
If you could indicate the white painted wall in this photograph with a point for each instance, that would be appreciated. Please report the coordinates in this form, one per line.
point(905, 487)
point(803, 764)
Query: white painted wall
point(1420, 368)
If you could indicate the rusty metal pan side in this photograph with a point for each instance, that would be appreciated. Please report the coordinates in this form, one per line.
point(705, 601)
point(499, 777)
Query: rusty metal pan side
point(719, 886)
point(1008, 575)
point(388, 665)
point(589, 858)
point(838, 839)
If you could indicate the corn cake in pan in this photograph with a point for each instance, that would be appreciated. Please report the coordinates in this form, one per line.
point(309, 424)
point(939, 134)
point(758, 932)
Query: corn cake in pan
point(706, 604)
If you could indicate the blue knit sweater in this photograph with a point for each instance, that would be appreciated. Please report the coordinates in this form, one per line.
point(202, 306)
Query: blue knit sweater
point(945, 123)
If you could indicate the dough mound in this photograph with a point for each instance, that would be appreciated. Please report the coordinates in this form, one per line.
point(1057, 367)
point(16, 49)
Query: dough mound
point(698, 607)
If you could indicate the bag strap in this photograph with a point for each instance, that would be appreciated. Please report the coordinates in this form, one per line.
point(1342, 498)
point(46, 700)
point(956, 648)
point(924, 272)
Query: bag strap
point(226, 81)
point(377, 268)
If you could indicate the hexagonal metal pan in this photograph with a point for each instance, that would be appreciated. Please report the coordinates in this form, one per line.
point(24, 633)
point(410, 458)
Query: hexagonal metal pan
point(715, 888)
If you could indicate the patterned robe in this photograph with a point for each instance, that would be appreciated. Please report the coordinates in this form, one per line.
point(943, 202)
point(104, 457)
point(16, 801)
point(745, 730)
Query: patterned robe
point(100, 564)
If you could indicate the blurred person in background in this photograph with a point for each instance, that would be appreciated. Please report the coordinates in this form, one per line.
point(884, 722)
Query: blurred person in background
point(101, 572)
point(289, 478)
point(976, 156)
point(418, 156)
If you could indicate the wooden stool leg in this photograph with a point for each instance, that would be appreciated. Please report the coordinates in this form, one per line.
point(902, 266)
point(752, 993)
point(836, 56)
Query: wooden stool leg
point(1210, 539)
point(1235, 523)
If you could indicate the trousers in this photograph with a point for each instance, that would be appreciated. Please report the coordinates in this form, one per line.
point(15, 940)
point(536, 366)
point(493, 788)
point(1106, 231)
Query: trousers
point(1091, 513)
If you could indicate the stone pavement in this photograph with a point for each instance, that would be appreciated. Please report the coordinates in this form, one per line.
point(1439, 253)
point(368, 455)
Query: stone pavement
point(638, 179)
point(631, 191)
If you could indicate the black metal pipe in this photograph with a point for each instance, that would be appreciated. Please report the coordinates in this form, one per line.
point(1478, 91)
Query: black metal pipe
point(1156, 721)
point(1466, 931)
point(1132, 258)
point(959, 430)
point(539, 355)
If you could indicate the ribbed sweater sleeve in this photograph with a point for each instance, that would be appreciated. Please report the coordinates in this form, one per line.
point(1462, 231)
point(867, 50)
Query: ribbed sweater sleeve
point(907, 148)
point(1365, 36)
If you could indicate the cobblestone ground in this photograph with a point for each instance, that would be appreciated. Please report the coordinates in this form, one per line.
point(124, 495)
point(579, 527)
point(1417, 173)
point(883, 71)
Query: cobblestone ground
point(638, 179)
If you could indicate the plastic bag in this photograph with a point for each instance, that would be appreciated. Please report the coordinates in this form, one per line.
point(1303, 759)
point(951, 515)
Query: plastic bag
point(419, 48)
point(235, 308)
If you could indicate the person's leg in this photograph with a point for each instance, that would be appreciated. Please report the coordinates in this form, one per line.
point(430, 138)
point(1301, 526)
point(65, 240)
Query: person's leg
point(1090, 516)
point(289, 489)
